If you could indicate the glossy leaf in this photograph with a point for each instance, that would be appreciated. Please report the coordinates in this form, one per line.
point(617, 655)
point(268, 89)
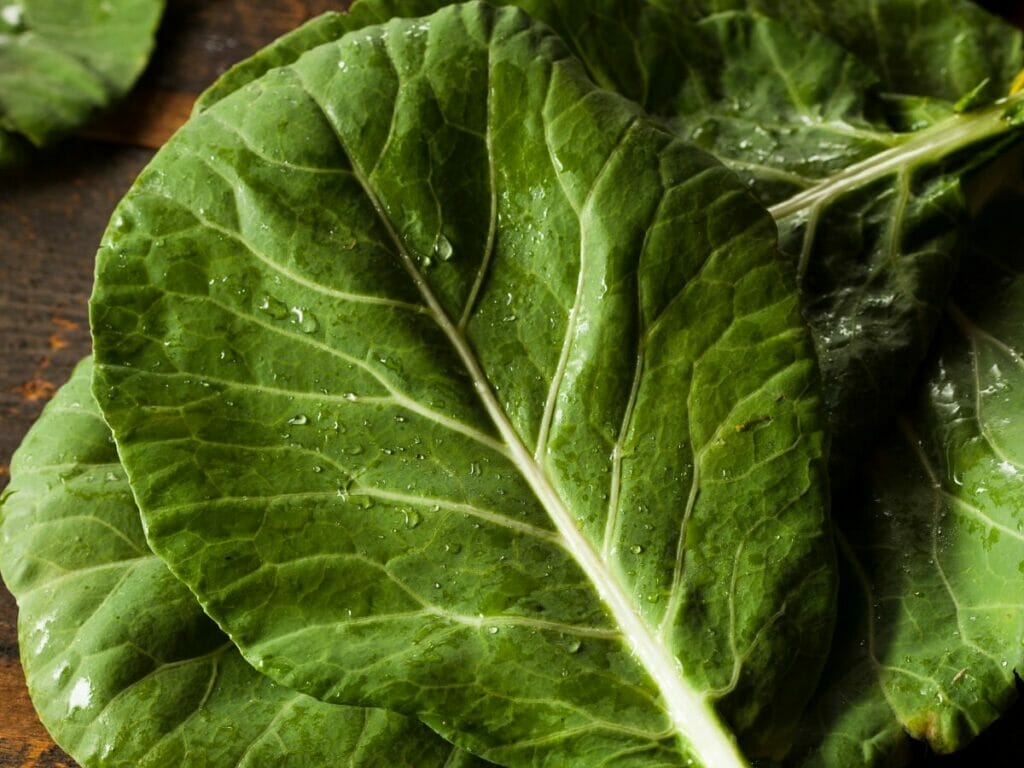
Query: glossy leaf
point(385, 339)
point(870, 215)
point(61, 62)
point(936, 549)
point(936, 48)
point(849, 723)
point(122, 664)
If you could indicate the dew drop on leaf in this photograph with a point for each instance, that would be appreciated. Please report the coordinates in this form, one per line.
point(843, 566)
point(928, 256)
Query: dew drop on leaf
point(123, 223)
point(305, 319)
point(276, 309)
point(442, 248)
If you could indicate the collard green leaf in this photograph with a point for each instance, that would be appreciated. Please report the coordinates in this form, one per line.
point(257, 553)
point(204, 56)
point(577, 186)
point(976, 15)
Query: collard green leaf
point(61, 62)
point(936, 48)
point(385, 339)
point(849, 723)
point(122, 664)
point(870, 215)
point(932, 604)
point(950, 497)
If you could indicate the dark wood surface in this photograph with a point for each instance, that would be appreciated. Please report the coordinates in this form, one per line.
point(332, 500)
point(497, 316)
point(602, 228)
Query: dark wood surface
point(51, 219)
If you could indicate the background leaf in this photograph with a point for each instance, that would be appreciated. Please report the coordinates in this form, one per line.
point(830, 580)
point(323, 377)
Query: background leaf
point(872, 217)
point(931, 601)
point(61, 62)
point(122, 664)
point(936, 48)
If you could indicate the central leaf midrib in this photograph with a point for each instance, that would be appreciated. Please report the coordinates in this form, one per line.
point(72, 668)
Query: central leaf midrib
point(692, 717)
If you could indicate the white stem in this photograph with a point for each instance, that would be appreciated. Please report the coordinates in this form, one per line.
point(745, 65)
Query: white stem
point(930, 144)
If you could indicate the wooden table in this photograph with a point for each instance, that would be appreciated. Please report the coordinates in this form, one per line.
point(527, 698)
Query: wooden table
point(51, 219)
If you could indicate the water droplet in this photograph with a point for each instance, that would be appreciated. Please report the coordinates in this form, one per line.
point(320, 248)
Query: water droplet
point(443, 248)
point(412, 518)
point(474, 469)
point(437, 585)
point(81, 695)
point(305, 319)
point(490, 630)
point(636, 549)
point(276, 309)
point(350, 396)
point(354, 450)
point(453, 547)
point(13, 16)
point(299, 420)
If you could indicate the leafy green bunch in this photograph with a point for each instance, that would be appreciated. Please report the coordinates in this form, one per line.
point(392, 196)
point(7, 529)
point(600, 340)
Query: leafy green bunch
point(551, 384)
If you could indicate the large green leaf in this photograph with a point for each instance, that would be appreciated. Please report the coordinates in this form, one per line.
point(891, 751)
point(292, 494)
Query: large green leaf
point(936, 48)
point(849, 723)
point(934, 611)
point(122, 664)
point(870, 215)
point(454, 385)
point(60, 62)
point(950, 495)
